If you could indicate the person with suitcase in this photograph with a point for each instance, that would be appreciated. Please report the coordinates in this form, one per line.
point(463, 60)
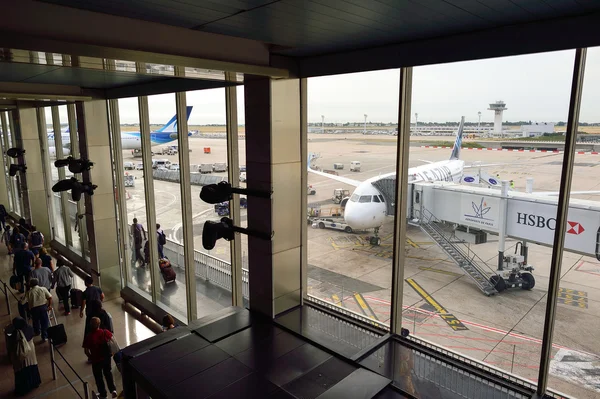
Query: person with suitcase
point(161, 240)
point(40, 302)
point(63, 276)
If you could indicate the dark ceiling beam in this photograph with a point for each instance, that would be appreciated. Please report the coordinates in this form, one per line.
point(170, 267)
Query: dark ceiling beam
point(534, 37)
point(41, 91)
point(38, 26)
point(169, 85)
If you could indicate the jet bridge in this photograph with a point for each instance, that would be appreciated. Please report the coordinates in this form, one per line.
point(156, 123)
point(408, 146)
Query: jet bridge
point(523, 216)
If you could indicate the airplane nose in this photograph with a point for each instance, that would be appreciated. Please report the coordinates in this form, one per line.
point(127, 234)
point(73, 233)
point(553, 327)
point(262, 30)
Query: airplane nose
point(351, 215)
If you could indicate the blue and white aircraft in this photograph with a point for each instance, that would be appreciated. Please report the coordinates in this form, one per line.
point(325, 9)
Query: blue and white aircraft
point(129, 140)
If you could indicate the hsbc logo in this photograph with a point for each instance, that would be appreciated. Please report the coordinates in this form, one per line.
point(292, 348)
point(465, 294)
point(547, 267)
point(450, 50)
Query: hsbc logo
point(574, 228)
point(542, 222)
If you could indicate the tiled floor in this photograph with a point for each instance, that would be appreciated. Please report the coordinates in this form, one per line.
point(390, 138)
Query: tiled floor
point(127, 330)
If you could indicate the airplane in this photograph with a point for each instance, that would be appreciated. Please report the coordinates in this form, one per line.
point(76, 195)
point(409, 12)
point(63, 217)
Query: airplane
point(129, 140)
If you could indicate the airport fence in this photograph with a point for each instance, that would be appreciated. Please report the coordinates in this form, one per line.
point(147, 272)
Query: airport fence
point(210, 268)
point(196, 178)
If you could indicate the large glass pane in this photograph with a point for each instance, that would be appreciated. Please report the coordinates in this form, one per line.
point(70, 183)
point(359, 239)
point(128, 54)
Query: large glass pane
point(167, 199)
point(6, 160)
point(351, 120)
point(16, 180)
point(75, 211)
point(208, 164)
point(137, 275)
point(454, 294)
point(575, 364)
point(242, 163)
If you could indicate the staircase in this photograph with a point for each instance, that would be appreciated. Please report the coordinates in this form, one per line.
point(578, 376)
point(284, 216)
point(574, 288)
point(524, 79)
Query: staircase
point(465, 260)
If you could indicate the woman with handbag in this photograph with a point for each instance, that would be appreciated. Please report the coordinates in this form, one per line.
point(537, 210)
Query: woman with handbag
point(21, 351)
point(97, 345)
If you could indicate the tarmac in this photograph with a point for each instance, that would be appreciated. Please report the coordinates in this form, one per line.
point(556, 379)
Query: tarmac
point(503, 331)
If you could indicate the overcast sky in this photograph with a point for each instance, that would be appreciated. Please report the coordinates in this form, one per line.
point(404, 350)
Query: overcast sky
point(535, 87)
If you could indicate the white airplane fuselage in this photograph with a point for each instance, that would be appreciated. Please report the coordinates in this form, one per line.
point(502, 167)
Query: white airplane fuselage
point(366, 208)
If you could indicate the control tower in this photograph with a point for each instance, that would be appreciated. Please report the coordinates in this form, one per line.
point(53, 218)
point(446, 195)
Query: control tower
point(497, 107)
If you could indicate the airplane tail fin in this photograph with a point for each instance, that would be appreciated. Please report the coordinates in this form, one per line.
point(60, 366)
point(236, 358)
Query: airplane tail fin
point(458, 142)
point(171, 126)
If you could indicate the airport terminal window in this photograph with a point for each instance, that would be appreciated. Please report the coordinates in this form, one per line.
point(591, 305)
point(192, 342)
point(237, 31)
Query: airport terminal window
point(167, 197)
point(137, 276)
point(351, 120)
point(575, 367)
point(58, 224)
point(208, 146)
point(453, 294)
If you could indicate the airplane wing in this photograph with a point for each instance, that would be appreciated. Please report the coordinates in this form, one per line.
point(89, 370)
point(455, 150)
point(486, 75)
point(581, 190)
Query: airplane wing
point(341, 179)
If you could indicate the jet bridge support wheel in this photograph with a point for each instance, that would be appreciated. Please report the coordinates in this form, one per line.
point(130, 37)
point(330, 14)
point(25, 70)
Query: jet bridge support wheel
point(498, 283)
point(528, 281)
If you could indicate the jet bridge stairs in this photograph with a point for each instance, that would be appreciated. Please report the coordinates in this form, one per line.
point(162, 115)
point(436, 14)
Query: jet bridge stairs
point(456, 249)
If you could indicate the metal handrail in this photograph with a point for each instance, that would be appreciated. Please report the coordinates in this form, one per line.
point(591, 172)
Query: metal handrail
point(467, 255)
point(86, 390)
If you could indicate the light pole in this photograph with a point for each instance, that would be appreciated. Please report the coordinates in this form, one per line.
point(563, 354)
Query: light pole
point(322, 123)
point(365, 126)
point(479, 123)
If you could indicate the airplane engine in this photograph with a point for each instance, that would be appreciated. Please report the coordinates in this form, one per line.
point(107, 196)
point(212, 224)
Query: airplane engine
point(173, 135)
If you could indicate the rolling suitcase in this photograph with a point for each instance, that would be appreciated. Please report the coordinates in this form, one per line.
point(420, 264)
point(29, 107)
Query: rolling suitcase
point(167, 271)
point(76, 298)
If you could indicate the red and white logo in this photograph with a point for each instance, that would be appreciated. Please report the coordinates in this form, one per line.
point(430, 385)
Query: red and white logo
point(574, 228)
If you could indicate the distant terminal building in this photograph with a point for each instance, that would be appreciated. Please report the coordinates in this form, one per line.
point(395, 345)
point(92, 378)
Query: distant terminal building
point(537, 129)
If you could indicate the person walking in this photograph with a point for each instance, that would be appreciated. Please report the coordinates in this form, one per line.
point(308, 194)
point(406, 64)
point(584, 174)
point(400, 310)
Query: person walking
point(3, 215)
point(161, 240)
point(17, 239)
point(21, 352)
point(94, 345)
point(42, 274)
point(40, 302)
point(91, 293)
point(6, 238)
point(95, 310)
point(139, 236)
point(63, 276)
point(46, 259)
point(36, 240)
point(22, 265)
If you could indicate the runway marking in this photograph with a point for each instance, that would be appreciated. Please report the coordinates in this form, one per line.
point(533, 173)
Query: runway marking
point(411, 243)
point(588, 267)
point(431, 269)
point(571, 297)
point(432, 259)
point(449, 318)
point(336, 300)
point(364, 306)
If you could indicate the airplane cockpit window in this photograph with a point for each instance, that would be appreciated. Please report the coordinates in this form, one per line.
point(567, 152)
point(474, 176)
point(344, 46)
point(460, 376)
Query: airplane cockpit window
point(381, 198)
point(354, 198)
point(365, 198)
point(376, 199)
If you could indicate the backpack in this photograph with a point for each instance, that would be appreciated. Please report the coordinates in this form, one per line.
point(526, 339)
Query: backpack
point(137, 233)
point(18, 240)
point(36, 239)
point(162, 238)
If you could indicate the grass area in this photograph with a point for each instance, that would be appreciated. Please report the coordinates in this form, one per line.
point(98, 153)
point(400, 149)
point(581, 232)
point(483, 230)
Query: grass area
point(546, 137)
point(468, 144)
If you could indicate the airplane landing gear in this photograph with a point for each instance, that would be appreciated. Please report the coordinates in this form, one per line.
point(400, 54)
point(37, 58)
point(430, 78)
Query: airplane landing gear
point(375, 240)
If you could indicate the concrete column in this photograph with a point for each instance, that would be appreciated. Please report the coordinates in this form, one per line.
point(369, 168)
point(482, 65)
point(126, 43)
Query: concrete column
point(273, 159)
point(6, 160)
point(25, 131)
point(100, 216)
point(41, 208)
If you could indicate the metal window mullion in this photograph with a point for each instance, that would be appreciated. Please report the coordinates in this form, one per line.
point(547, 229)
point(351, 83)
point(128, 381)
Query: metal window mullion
point(123, 222)
point(186, 201)
point(6, 146)
point(233, 162)
point(561, 218)
point(72, 122)
point(402, 164)
point(149, 194)
point(18, 141)
point(17, 199)
point(58, 147)
point(304, 186)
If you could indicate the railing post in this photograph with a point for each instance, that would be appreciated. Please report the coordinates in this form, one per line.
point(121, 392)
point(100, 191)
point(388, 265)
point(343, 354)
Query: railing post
point(7, 300)
point(86, 390)
point(52, 359)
